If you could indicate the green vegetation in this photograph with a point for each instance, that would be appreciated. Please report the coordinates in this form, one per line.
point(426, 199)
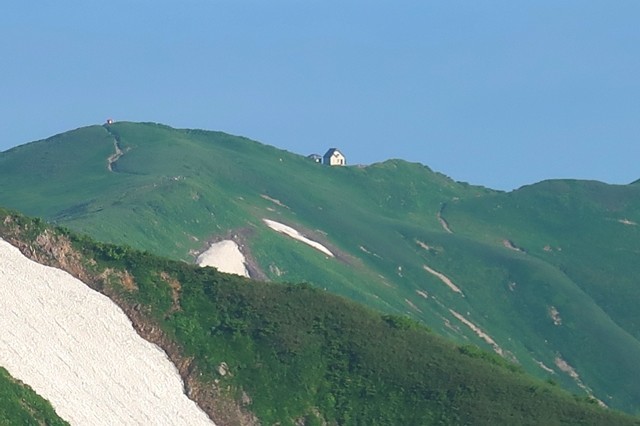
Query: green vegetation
point(19, 405)
point(547, 272)
point(294, 353)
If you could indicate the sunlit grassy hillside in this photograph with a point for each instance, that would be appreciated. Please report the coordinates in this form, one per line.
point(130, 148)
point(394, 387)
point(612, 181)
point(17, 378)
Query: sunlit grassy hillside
point(544, 276)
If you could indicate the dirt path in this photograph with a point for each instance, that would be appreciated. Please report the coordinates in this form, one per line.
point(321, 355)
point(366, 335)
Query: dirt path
point(114, 157)
point(119, 152)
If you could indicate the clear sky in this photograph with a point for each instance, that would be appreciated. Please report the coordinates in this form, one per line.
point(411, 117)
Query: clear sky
point(496, 93)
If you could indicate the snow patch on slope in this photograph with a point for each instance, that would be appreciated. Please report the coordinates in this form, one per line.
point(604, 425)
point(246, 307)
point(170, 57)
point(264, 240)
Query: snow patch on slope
point(569, 370)
point(293, 233)
point(77, 349)
point(443, 278)
point(544, 367)
point(479, 332)
point(226, 257)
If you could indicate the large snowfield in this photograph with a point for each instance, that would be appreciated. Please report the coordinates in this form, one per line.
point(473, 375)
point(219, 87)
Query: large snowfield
point(77, 349)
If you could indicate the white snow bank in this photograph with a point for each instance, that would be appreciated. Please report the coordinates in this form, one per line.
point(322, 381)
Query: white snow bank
point(226, 257)
point(443, 278)
point(287, 230)
point(77, 349)
point(484, 336)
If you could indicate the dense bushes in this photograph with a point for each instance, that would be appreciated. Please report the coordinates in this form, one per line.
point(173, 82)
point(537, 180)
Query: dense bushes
point(300, 353)
point(20, 405)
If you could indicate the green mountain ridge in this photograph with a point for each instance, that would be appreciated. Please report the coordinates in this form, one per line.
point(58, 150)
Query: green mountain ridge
point(545, 274)
point(268, 353)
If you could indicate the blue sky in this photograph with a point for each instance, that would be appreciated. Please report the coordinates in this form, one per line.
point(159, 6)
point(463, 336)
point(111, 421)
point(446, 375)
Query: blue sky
point(496, 93)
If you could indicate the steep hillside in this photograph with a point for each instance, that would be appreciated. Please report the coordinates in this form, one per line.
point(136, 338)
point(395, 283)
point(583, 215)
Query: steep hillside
point(543, 276)
point(80, 351)
point(586, 233)
point(20, 405)
point(254, 352)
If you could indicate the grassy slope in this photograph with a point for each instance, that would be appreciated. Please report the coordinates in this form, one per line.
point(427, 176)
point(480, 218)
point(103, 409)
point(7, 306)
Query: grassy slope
point(174, 189)
point(294, 352)
point(587, 246)
point(19, 405)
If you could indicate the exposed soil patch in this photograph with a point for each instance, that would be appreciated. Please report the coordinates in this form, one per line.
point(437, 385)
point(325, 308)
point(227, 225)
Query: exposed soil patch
point(128, 281)
point(124, 278)
point(176, 288)
point(511, 246)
